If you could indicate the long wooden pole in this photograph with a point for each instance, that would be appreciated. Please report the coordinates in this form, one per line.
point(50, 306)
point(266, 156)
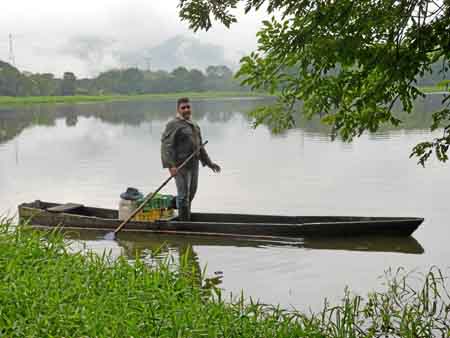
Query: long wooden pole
point(150, 196)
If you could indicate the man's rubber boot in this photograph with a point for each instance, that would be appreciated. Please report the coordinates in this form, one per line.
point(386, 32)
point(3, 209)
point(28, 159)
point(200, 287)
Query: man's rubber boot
point(189, 214)
point(184, 214)
point(173, 203)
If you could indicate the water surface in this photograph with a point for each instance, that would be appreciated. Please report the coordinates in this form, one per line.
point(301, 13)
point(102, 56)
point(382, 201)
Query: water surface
point(90, 153)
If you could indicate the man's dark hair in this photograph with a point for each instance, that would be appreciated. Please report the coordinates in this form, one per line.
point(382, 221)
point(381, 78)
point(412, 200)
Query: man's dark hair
point(182, 100)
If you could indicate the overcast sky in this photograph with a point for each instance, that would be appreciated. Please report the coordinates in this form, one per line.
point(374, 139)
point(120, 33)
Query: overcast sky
point(42, 31)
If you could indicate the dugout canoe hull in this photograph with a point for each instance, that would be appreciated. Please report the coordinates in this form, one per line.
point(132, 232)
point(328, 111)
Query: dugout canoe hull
point(36, 213)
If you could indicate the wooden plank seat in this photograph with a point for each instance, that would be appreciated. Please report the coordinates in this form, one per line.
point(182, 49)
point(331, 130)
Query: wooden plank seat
point(65, 207)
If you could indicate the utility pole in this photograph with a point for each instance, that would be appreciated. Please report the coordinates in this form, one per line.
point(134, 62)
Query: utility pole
point(12, 59)
point(148, 60)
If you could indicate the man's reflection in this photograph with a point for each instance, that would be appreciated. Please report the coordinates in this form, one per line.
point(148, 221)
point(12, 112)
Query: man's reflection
point(188, 260)
point(71, 120)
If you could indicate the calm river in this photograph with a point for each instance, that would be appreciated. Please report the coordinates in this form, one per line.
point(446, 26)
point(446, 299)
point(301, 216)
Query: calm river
point(90, 153)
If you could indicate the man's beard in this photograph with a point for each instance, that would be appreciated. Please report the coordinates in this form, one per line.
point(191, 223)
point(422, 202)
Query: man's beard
point(186, 116)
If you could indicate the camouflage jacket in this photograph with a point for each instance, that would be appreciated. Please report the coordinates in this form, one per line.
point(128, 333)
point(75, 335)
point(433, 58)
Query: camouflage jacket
point(179, 140)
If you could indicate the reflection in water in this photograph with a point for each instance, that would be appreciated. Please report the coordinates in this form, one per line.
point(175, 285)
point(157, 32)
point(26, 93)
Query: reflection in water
point(138, 243)
point(15, 119)
point(71, 120)
point(153, 248)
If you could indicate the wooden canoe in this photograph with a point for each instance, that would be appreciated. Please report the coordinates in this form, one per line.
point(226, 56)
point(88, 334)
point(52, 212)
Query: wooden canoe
point(77, 216)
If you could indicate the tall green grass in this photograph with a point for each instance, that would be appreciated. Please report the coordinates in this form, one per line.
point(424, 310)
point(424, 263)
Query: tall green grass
point(48, 291)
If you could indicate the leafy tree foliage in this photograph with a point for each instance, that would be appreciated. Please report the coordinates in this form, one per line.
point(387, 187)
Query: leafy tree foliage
point(131, 81)
point(182, 74)
point(44, 84)
point(117, 81)
point(219, 76)
point(181, 79)
point(9, 79)
point(196, 80)
point(68, 84)
point(348, 61)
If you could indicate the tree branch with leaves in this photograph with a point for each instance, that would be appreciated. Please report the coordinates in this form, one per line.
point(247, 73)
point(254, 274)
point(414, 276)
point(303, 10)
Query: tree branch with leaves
point(347, 61)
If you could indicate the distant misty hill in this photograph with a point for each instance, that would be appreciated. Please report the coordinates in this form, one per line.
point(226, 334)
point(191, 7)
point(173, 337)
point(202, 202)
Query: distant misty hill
point(174, 52)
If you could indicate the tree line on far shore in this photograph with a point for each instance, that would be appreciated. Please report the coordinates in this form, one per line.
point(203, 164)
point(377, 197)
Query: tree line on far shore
point(132, 81)
point(127, 81)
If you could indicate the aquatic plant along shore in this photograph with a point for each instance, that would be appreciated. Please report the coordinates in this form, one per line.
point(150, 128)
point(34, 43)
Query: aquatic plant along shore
point(48, 290)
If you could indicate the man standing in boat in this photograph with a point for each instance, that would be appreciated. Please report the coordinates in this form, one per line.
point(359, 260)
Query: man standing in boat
point(179, 140)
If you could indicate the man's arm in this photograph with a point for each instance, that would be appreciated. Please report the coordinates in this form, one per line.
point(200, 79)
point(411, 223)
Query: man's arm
point(168, 158)
point(205, 159)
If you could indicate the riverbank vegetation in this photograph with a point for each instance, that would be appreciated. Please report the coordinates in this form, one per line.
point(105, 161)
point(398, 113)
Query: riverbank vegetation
point(49, 290)
point(132, 84)
point(434, 89)
point(11, 100)
point(20, 100)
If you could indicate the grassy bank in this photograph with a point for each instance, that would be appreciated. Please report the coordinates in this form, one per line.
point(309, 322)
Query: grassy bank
point(9, 100)
point(434, 89)
point(22, 100)
point(47, 291)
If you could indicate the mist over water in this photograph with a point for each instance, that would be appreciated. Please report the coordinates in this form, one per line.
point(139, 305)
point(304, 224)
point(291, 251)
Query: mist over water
point(90, 153)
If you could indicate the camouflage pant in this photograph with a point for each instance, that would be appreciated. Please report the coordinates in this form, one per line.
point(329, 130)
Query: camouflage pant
point(186, 182)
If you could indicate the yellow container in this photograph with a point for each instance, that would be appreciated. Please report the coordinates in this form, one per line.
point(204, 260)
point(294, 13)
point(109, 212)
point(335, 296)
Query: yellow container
point(153, 215)
point(149, 216)
point(167, 213)
point(144, 216)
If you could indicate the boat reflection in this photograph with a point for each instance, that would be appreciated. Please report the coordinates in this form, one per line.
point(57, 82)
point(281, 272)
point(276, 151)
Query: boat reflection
point(408, 245)
point(133, 243)
point(156, 247)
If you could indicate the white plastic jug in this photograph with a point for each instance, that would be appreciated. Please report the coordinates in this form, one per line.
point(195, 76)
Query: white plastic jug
point(126, 207)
